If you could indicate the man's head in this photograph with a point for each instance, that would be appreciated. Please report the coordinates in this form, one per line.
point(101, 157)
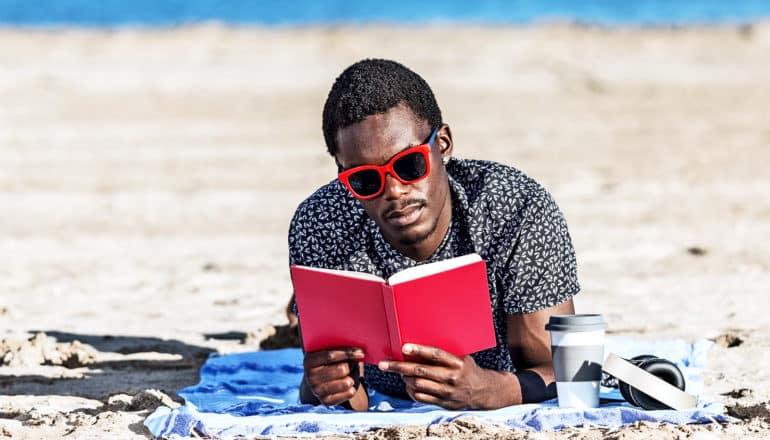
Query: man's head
point(373, 86)
point(376, 110)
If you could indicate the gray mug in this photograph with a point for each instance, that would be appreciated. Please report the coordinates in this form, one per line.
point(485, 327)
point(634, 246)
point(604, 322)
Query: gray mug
point(577, 347)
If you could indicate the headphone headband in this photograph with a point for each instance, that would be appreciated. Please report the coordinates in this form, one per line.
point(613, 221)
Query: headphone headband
point(647, 383)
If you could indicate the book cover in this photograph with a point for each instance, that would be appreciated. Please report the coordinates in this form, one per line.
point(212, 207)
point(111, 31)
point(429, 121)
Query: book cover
point(443, 304)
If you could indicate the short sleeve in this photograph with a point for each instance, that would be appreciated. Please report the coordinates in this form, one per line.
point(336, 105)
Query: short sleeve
point(541, 271)
point(298, 238)
point(325, 229)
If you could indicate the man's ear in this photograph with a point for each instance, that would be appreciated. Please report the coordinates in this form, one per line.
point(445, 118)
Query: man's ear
point(444, 140)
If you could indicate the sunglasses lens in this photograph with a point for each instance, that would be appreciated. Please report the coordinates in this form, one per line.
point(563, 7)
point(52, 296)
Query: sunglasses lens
point(411, 167)
point(365, 183)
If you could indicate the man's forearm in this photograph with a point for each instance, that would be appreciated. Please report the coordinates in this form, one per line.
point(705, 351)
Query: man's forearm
point(501, 389)
point(505, 389)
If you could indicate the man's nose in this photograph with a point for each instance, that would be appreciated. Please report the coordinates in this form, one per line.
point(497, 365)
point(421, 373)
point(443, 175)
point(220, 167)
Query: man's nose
point(393, 188)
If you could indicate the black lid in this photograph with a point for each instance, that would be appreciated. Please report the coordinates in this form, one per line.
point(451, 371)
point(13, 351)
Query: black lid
point(576, 323)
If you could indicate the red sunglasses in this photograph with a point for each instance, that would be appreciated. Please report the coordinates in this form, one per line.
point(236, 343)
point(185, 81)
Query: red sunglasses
point(409, 166)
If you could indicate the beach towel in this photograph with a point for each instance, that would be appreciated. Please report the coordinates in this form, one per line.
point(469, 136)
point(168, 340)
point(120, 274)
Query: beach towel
point(257, 394)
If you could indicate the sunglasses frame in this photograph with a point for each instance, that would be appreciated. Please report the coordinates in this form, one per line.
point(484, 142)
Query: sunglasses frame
point(424, 149)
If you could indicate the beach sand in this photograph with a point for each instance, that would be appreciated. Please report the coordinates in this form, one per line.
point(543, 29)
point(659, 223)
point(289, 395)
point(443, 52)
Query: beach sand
point(147, 179)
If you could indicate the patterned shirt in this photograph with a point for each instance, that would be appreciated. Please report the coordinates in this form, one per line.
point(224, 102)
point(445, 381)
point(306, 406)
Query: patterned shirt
point(497, 212)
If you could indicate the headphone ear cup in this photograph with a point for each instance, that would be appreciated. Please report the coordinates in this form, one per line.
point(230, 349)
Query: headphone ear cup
point(624, 387)
point(636, 360)
point(662, 369)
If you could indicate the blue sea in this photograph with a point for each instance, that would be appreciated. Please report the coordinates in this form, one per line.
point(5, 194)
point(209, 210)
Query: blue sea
point(112, 13)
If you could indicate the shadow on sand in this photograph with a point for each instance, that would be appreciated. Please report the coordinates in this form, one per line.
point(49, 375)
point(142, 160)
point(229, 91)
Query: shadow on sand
point(281, 336)
point(132, 372)
point(128, 374)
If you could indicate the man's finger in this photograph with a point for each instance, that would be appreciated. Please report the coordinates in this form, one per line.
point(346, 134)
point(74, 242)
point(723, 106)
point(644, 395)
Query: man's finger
point(432, 355)
point(432, 399)
point(427, 398)
point(341, 386)
point(325, 357)
point(432, 372)
point(451, 405)
point(338, 398)
point(326, 373)
point(439, 390)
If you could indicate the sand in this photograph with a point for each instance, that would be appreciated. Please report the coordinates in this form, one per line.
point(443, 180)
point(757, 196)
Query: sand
point(147, 179)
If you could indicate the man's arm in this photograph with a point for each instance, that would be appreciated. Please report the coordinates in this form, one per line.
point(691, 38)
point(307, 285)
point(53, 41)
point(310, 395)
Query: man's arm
point(530, 346)
point(440, 378)
point(359, 400)
point(333, 377)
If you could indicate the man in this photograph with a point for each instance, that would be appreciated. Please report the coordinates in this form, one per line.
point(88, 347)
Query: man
point(401, 199)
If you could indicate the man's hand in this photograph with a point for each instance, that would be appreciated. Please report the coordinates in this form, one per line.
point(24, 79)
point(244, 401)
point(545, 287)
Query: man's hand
point(328, 375)
point(436, 377)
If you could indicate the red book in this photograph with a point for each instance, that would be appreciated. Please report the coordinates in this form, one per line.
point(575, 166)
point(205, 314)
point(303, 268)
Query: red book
point(443, 304)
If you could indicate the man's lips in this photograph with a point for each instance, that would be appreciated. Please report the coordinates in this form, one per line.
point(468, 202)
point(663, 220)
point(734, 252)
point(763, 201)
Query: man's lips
point(405, 216)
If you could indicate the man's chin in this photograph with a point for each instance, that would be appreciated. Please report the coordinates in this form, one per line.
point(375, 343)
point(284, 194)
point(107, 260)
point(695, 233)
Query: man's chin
point(411, 235)
point(414, 235)
point(413, 239)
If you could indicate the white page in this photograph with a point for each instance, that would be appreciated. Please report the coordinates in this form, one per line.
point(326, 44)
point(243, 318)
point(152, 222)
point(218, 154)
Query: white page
point(346, 273)
point(431, 268)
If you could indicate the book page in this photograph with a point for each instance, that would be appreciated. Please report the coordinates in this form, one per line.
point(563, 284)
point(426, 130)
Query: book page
point(346, 273)
point(432, 268)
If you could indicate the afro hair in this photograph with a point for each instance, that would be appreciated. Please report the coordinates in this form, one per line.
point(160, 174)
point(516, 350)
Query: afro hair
point(371, 87)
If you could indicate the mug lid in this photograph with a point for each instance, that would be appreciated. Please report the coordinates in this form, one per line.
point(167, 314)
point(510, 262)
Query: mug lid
point(576, 323)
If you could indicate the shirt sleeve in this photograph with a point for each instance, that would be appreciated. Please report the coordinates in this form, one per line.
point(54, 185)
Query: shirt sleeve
point(295, 238)
point(299, 239)
point(322, 231)
point(541, 271)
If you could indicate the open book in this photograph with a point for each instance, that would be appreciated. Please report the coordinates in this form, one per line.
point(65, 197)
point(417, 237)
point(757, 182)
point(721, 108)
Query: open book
point(443, 304)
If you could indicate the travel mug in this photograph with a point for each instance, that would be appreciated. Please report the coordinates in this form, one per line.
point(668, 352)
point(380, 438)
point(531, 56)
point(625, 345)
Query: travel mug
point(577, 347)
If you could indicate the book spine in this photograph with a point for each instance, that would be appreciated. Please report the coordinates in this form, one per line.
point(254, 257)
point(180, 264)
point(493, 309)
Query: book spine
point(394, 333)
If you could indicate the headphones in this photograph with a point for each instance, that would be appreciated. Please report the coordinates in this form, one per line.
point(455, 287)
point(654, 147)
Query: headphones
point(661, 368)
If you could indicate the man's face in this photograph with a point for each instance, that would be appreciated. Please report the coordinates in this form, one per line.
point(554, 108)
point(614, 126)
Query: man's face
point(412, 217)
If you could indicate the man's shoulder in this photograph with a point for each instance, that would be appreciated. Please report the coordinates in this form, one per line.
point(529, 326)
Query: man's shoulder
point(325, 225)
point(330, 206)
point(493, 183)
point(502, 202)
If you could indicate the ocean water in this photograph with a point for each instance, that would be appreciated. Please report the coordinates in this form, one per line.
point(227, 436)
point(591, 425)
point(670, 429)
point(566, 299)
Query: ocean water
point(111, 13)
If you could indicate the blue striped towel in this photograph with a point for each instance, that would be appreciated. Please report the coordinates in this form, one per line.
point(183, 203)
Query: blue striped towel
point(256, 394)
